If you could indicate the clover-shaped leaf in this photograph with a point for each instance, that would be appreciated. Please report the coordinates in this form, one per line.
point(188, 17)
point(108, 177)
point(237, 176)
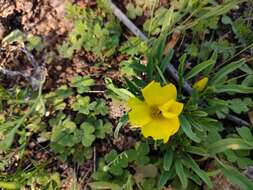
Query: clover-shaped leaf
point(83, 105)
point(116, 162)
point(142, 150)
point(55, 100)
point(63, 91)
point(82, 84)
point(101, 107)
point(103, 129)
point(88, 136)
point(132, 11)
point(64, 133)
point(116, 170)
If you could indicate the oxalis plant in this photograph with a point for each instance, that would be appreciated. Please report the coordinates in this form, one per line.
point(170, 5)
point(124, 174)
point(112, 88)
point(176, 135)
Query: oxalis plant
point(184, 140)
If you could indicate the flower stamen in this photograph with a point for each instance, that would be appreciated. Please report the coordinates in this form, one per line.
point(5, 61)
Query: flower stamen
point(156, 113)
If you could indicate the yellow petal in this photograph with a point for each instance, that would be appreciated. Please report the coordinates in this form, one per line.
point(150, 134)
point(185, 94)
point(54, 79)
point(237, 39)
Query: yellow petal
point(134, 101)
point(140, 114)
point(175, 123)
point(176, 108)
point(166, 106)
point(169, 115)
point(201, 84)
point(161, 129)
point(155, 95)
point(171, 109)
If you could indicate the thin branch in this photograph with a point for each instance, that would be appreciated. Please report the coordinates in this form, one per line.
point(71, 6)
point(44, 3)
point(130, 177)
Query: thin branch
point(170, 68)
point(11, 73)
point(124, 19)
point(38, 73)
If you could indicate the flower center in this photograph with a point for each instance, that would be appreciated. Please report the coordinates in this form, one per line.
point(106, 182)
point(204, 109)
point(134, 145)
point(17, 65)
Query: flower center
point(156, 113)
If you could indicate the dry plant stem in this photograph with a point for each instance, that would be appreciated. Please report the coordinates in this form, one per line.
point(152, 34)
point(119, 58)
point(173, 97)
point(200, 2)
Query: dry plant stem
point(123, 18)
point(11, 73)
point(170, 68)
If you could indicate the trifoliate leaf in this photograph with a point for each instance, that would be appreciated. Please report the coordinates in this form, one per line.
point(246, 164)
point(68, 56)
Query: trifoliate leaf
point(132, 11)
point(88, 137)
point(101, 107)
point(103, 129)
point(82, 84)
point(83, 105)
point(64, 92)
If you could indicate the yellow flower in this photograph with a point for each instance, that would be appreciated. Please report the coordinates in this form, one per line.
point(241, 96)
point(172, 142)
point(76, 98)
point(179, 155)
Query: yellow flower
point(157, 115)
point(201, 84)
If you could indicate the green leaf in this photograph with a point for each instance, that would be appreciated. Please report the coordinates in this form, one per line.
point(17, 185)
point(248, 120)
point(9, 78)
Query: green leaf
point(233, 88)
point(109, 157)
point(66, 50)
point(186, 127)
point(8, 139)
point(104, 185)
point(138, 67)
point(102, 130)
point(189, 162)
point(226, 19)
point(219, 9)
point(166, 60)
point(116, 162)
point(82, 83)
point(242, 31)
point(228, 144)
point(132, 11)
point(199, 68)
point(180, 172)
point(34, 42)
point(88, 137)
point(237, 177)
point(168, 159)
point(245, 133)
point(14, 36)
point(197, 150)
point(123, 121)
point(116, 170)
point(182, 62)
point(142, 150)
point(165, 176)
point(131, 155)
point(101, 107)
point(122, 93)
point(150, 67)
point(132, 86)
point(240, 105)
point(248, 81)
point(4, 94)
point(64, 92)
point(244, 163)
point(134, 46)
point(83, 105)
point(221, 75)
point(159, 47)
point(9, 185)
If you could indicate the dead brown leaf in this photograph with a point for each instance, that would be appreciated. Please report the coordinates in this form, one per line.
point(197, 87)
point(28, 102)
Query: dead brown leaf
point(149, 170)
point(250, 115)
point(173, 41)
